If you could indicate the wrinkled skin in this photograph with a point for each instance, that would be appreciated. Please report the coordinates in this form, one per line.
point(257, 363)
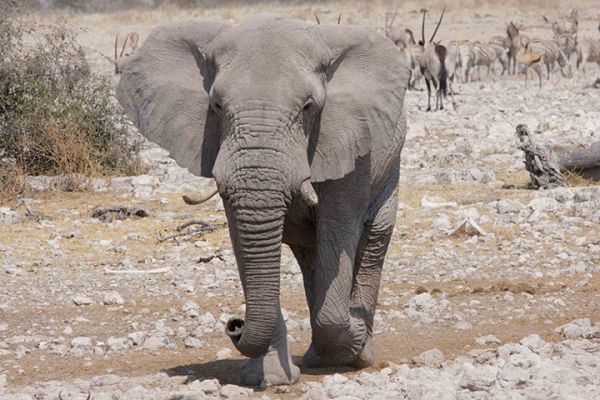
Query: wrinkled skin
point(302, 127)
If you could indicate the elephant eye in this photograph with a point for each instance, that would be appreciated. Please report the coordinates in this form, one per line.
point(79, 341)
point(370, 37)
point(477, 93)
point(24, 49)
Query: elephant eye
point(308, 105)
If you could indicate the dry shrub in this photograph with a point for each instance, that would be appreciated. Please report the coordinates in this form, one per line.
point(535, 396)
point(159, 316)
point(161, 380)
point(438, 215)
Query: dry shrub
point(56, 117)
point(573, 179)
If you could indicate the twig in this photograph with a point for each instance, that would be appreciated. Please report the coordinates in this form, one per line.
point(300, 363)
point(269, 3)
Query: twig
point(136, 271)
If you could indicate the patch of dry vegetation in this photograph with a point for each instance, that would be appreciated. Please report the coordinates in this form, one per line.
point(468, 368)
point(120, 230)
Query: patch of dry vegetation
point(56, 116)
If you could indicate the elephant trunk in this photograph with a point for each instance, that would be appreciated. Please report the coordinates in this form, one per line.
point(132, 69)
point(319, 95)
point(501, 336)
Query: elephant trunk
point(257, 218)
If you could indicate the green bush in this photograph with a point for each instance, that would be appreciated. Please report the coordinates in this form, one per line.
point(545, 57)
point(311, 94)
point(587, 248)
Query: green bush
point(56, 116)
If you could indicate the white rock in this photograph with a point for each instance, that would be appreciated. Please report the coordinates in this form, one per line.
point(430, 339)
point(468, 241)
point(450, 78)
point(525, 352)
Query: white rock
point(479, 378)
point(488, 339)
point(81, 345)
point(224, 354)
point(192, 342)
point(207, 386)
point(117, 345)
point(155, 342)
point(82, 300)
point(433, 358)
point(422, 302)
point(575, 328)
point(113, 298)
point(234, 392)
point(190, 309)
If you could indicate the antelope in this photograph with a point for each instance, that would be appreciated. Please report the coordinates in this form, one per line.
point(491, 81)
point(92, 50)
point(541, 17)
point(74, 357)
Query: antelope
point(433, 65)
point(400, 35)
point(413, 54)
point(123, 58)
point(529, 58)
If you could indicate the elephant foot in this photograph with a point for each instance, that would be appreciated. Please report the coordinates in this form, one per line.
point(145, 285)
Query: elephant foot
point(269, 370)
point(366, 358)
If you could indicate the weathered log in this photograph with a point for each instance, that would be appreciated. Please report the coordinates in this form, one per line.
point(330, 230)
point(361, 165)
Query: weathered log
point(582, 161)
point(547, 166)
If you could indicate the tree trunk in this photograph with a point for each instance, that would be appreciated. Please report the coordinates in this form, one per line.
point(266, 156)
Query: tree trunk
point(582, 161)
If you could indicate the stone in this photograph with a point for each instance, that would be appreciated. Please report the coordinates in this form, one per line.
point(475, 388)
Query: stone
point(488, 339)
point(81, 345)
point(480, 378)
point(575, 328)
point(192, 342)
point(155, 342)
point(206, 386)
point(421, 302)
point(190, 309)
point(137, 338)
point(433, 358)
point(112, 298)
point(224, 354)
point(234, 392)
point(82, 300)
point(117, 345)
point(469, 228)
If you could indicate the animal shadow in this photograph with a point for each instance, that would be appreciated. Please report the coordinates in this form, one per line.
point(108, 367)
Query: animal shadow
point(225, 371)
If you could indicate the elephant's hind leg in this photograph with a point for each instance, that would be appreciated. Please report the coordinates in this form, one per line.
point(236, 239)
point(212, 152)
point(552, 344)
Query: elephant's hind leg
point(369, 264)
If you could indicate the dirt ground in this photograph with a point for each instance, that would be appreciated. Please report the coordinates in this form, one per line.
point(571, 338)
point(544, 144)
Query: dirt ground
point(530, 274)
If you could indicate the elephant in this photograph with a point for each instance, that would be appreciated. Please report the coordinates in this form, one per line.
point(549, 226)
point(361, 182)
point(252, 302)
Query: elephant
point(301, 126)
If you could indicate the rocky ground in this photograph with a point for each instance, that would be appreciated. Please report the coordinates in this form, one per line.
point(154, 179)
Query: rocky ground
point(509, 308)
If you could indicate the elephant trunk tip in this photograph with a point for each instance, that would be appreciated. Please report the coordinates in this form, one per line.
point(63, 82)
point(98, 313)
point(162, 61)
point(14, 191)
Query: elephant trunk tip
point(234, 328)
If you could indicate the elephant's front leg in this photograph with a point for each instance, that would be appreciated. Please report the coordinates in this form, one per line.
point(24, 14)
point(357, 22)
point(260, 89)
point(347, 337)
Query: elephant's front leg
point(275, 367)
point(338, 336)
point(368, 265)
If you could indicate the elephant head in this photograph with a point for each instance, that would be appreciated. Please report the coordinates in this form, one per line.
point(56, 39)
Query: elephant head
point(267, 108)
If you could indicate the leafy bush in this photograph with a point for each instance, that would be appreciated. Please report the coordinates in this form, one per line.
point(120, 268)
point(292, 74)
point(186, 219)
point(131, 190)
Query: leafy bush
point(56, 117)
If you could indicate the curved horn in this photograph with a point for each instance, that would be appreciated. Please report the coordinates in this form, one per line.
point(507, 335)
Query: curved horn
point(438, 25)
point(317, 18)
point(424, 11)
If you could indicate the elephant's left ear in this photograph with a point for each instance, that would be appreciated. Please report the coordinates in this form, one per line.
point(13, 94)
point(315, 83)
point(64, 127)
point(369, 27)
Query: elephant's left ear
point(367, 78)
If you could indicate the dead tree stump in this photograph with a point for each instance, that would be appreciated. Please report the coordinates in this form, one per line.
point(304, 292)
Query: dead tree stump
point(547, 167)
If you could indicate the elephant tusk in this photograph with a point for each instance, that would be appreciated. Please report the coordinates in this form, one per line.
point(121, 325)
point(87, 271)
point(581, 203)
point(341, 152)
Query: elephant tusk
point(200, 197)
point(308, 193)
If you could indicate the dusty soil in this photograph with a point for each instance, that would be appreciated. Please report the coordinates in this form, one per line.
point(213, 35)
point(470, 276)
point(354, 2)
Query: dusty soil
point(537, 267)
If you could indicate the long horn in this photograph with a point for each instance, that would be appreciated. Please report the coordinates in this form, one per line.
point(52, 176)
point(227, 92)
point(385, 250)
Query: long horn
point(339, 18)
point(124, 44)
point(394, 16)
point(438, 25)
point(116, 42)
point(317, 18)
point(424, 11)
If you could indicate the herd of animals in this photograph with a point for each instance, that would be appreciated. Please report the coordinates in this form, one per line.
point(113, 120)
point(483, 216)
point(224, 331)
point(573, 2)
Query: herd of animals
point(440, 65)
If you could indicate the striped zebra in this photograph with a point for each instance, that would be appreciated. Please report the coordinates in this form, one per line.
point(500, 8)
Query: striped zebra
point(568, 44)
point(594, 51)
point(478, 55)
point(550, 53)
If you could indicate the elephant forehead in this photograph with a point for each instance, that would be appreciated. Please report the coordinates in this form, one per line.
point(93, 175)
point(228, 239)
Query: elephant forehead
point(273, 40)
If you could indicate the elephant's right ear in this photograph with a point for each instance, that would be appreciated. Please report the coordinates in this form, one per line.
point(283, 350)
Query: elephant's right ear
point(164, 90)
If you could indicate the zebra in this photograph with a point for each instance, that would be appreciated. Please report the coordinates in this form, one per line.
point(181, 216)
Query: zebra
point(568, 24)
point(594, 51)
point(568, 44)
point(550, 53)
point(517, 41)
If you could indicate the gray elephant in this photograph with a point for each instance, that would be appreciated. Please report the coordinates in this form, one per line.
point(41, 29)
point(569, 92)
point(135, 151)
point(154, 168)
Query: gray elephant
point(301, 127)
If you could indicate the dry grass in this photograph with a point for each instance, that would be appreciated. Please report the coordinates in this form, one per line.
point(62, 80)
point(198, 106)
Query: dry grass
point(573, 179)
